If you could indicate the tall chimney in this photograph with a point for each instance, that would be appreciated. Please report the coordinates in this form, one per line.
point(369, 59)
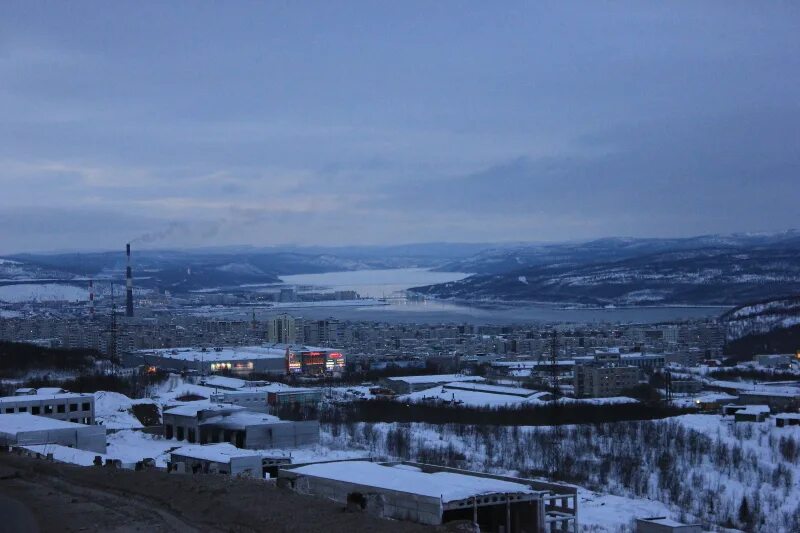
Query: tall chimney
point(91, 299)
point(128, 284)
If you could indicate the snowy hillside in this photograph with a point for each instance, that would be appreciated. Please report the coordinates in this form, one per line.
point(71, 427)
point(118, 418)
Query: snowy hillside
point(701, 467)
point(718, 275)
point(762, 317)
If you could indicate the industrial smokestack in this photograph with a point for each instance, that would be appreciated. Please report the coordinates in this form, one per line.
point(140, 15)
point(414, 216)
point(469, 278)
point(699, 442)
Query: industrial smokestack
point(128, 284)
point(91, 299)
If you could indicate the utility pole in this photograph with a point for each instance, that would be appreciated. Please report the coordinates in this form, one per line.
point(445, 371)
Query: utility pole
point(556, 432)
point(554, 365)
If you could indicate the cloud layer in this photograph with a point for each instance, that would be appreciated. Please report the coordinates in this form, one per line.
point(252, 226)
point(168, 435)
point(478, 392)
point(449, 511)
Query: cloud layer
point(369, 123)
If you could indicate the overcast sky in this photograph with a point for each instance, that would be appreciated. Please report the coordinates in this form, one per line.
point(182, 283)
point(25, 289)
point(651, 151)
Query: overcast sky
point(199, 123)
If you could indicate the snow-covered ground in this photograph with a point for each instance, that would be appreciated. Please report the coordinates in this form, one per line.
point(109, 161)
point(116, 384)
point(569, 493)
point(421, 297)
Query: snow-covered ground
point(46, 292)
point(606, 513)
point(131, 446)
point(114, 410)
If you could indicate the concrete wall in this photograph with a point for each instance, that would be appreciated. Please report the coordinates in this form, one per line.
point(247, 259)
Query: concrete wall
point(381, 502)
point(283, 435)
point(90, 438)
point(238, 466)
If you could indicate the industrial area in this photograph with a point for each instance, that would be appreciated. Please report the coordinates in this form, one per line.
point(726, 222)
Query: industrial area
point(255, 391)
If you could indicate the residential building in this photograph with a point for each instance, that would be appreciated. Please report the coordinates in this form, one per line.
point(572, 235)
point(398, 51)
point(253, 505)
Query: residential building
point(603, 380)
point(282, 329)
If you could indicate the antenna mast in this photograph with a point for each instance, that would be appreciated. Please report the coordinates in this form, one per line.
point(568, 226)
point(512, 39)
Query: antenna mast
point(112, 343)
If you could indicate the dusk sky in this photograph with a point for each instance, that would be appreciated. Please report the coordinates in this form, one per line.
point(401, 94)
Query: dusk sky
point(199, 123)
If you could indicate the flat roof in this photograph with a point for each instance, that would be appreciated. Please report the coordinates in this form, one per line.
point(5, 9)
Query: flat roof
point(754, 409)
point(448, 486)
point(438, 378)
point(191, 409)
point(219, 453)
point(493, 389)
point(21, 422)
point(232, 353)
point(241, 419)
point(663, 521)
point(43, 397)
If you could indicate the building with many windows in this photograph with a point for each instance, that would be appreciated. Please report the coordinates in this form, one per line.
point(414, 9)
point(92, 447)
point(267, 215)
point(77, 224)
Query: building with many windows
point(66, 406)
point(602, 381)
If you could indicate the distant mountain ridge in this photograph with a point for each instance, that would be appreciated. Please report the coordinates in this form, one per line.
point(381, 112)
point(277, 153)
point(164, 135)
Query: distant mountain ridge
point(183, 270)
point(706, 270)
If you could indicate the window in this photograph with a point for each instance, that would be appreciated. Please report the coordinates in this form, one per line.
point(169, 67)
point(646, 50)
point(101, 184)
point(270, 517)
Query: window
point(35, 410)
point(48, 409)
point(9, 409)
point(73, 407)
point(73, 420)
point(23, 409)
point(86, 406)
point(61, 408)
point(179, 432)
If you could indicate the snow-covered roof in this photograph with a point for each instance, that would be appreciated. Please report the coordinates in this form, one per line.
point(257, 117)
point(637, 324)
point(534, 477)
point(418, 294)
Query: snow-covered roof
point(714, 397)
point(37, 397)
point(241, 419)
point(788, 416)
point(224, 382)
point(448, 486)
point(49, 390)
point(533, 364)
point(776, 394)
point(65, 454)
point(219, 453)
point(754, 409)
point(235, 353)
point(191, 409)
point(663, 521)
point(495, 389)
point(438, 378)
point(226, 354)
point(19, 422)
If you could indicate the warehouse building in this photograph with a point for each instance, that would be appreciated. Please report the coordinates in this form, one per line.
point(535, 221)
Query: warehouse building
point(222, 458)
point(409, 384)
point(267, 398)
point(238, 426)
point(662, 524)
point(24, 429)
point(66, 406)
point(778, 400)
point(436, 495)
point(240, 361)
